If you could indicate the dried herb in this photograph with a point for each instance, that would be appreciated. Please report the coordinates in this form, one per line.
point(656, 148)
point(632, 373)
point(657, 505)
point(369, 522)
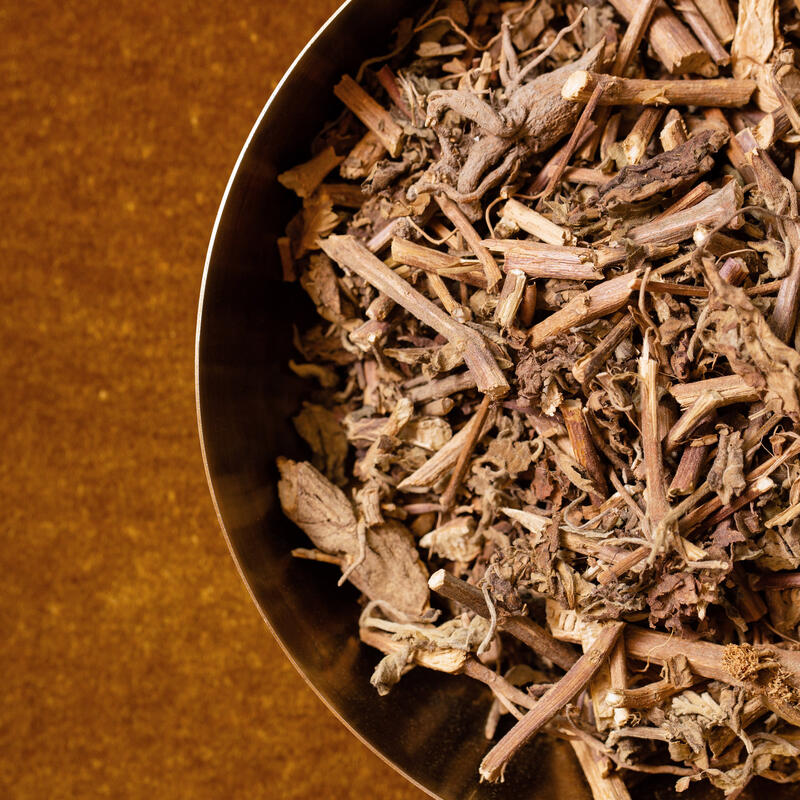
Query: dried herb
point(558, 370)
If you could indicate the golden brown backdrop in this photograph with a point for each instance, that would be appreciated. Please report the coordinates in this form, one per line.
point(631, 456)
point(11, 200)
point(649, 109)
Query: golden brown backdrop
point(133, 663)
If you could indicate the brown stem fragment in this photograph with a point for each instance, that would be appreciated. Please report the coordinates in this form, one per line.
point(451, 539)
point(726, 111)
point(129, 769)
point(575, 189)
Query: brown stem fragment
point(448, 499)
point(551, 703)
point(703, 31)
point(714, 210)
point(713, 92)
point(678, 677)
point(445, 458)
point(522, 628)
point(367, 152)
point(349, 253)
point(651, 388)
point(510, 298)
point(674, 131)
point(371, 113)
point(690, 467)
point(731, 388)
point(583, 448)
point(605, 298)
point(464, 226)
point(442, 387)
point(588, 366)
point(672, 42)
point(720, 17)
point(604, 785)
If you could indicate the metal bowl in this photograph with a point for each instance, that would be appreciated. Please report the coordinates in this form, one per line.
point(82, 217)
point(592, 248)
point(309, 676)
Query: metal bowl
point(430, 727)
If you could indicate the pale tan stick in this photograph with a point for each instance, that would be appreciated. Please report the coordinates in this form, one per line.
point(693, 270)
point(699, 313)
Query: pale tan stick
point(510, 298)
point(451, 306)
point(535, 224)
point(367, 152)
point(720, 17)
point(714, 92)
point(634, 145)
point(543, 254)
point(599, 301)
point(589, 365)
point(603, 784)
point(643, 644)
point(731, 387)
point(444, 459)
point(522, 628)
point(601, 682)
point(754, 39)
point(473, 241)
point(452, 662)
point(716, 209)
point(648, 696)
point(535, 265)
point(703, 31)
point(672, 42)
point(656, 484)
point(692, 417)
point(441, 387)
point(574, 682)
point(417, 255)
point(371, 113)
point(448, 498)
point(667, 287)
point(380, 308)
point(587, 175)
point(691, 198)
point(674, 131)
point(350, 253)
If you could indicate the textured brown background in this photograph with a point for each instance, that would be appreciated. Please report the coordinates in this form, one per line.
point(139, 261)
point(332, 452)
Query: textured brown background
point(133, 664)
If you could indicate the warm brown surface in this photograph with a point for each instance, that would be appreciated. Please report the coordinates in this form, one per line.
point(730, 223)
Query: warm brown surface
point(133, 663)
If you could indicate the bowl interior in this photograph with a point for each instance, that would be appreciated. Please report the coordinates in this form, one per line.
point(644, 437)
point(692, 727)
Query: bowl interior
point(430, 726)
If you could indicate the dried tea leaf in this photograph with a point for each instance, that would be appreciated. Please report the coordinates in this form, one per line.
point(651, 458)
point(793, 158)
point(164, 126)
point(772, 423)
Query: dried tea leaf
point(726, 476)
point(326, 438)
point(738, 330)
point(390, 570)
point(455, 540)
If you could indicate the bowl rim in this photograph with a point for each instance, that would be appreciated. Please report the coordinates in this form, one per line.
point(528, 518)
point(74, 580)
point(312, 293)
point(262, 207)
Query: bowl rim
point(198, 405)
